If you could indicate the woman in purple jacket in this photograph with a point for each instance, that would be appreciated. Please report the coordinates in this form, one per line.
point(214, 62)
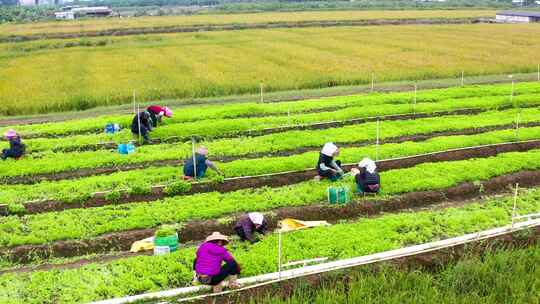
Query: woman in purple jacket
point(209, 266)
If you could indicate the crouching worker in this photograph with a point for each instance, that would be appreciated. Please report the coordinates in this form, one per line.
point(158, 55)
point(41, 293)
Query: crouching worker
point(157, 112)
point(209, 267)
point(142, 123)
point(327, 167)
point(201, 164)
point(250, 223)
point(16, 147)
point(366, 176)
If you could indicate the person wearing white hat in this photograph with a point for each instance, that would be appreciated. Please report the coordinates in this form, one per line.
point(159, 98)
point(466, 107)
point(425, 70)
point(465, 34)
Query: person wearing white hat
point(366, 176)
point(213, 263)
point(16, 147)
point(327, 167)
point(250, 223)
point(202, 163)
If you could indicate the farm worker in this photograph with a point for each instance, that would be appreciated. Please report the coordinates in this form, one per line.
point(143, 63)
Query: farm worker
point(16, 147)
point(327, 166)
point(145, 125)
point(201, 164)
point(366, 176)
point(250, 223)
point(157, 112)
point(208, 264)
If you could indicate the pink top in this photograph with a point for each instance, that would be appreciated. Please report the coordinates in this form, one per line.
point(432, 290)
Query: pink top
point(210, 256)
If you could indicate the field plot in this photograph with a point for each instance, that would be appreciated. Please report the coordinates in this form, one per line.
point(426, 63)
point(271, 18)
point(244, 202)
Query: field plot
point(256, 18)
point(447, 163)
point(170, 66)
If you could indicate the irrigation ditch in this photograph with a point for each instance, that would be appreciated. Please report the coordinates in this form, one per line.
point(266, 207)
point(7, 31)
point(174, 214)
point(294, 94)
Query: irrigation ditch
point(197, 230)
point(79, 173)
point(273, 180)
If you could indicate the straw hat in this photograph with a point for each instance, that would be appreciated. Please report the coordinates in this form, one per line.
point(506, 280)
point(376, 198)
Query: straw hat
point(216, 236)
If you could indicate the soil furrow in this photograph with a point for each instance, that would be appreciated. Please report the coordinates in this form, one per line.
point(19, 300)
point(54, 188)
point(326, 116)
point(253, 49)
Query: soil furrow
point(198, 230)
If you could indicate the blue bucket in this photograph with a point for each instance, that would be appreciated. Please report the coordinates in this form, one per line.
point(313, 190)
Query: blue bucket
point(112, 128)
point(126, 148)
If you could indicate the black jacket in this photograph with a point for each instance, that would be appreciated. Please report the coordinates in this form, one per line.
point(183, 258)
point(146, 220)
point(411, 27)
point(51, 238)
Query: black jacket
point(146, 122)
point(326, 160)
point(16, 147)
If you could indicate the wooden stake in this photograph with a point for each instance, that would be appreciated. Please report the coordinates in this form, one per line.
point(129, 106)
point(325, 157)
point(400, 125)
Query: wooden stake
point(538, 72)
point(194, 158)
point(462, 78)
point(262, 96)
point(515, 204)
point(279, 252)
point(134, 108)
point(518, 116)
point(139, 122)
point(415, 94)
point(512, 94)
point(372, 82)
point(377, 140)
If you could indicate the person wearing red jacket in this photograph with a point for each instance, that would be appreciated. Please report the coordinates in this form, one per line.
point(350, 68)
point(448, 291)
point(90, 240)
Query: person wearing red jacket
point(157, 112)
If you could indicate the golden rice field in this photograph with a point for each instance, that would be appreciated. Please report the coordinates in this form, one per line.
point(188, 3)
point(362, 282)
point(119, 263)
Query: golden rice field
point(42, 78)
point(164, 21)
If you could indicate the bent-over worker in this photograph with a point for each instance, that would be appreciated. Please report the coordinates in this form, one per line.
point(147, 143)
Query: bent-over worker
point(327, 167)
point(16, 147)
point(143, 119)
point(157, 112)
point(250, 223)
point(366, 176)
point(202, 163)
point(209, 267)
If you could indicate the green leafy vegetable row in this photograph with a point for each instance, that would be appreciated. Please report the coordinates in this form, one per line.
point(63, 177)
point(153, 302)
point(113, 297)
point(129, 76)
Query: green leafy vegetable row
point(87, 223)
point(272, 143)
point(79, 189)
point(216, 128)
point(152, 273)
point(206, 112)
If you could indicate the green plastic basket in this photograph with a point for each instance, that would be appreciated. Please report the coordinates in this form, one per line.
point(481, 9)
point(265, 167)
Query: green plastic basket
point(338, 195)
point(170, 241)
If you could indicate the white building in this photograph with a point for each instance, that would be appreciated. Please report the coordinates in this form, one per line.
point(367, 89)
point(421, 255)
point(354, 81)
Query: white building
point(64, 15)
point(517, 17)
point(28, 2)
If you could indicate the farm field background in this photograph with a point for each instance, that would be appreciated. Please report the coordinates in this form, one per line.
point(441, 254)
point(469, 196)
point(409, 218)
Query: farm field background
point(266, 17)
point(78, 252)
point(106, 71)
point(450, 157)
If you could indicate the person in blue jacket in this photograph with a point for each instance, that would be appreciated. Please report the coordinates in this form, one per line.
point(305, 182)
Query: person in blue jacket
point(202, 163)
